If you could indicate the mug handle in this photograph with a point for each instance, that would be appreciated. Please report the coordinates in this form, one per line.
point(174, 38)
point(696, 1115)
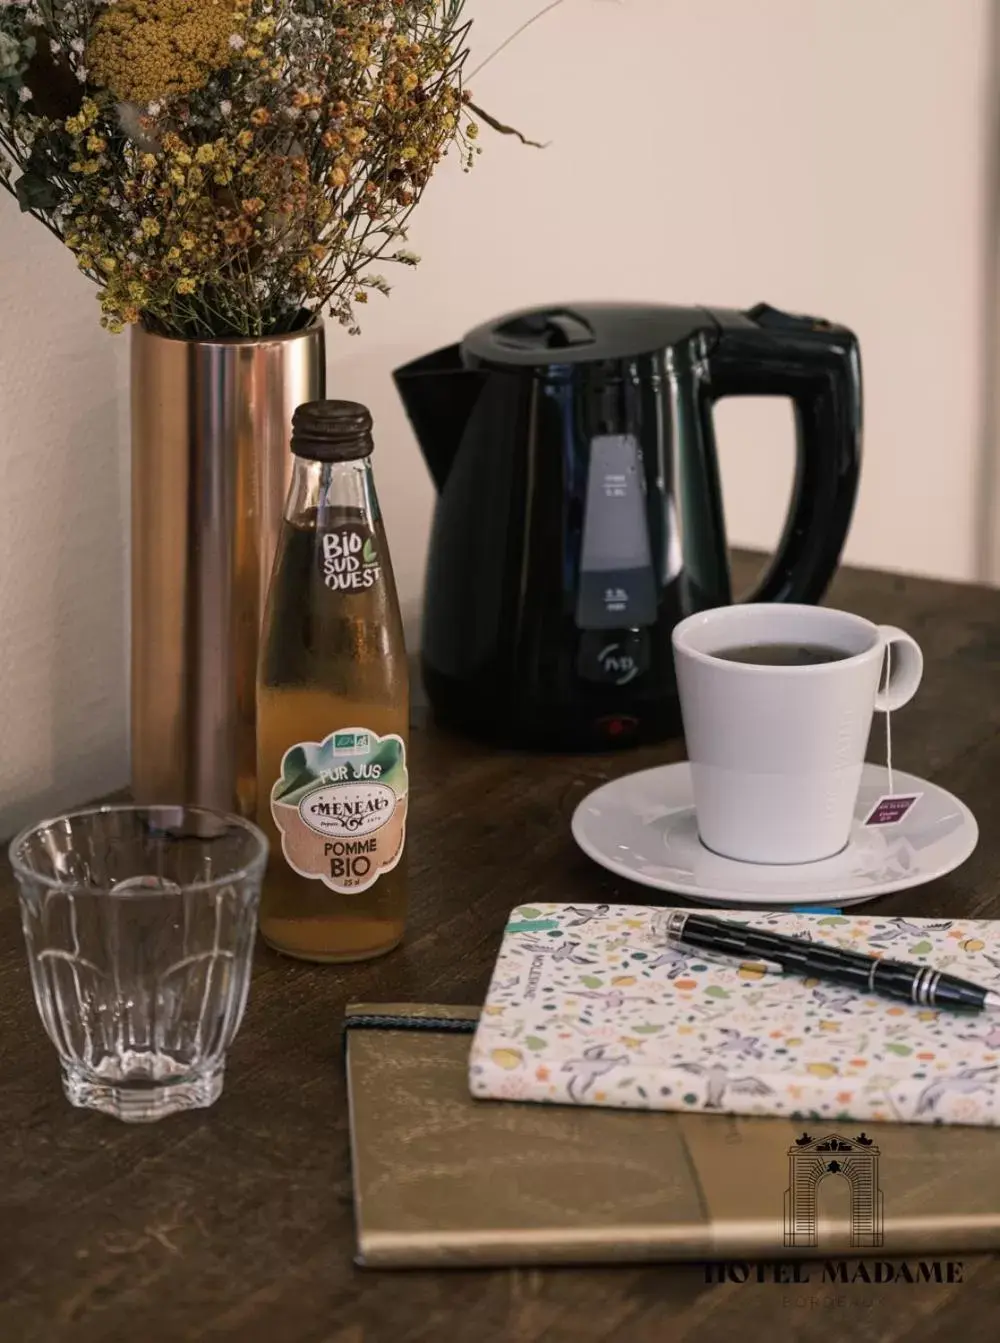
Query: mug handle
point(906, 669)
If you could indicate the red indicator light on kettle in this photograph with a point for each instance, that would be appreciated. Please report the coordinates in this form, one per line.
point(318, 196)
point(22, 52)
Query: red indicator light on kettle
point(617, 727)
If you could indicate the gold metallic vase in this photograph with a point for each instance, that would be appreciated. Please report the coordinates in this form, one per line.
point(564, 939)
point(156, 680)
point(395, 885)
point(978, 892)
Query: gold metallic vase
point(211, 423)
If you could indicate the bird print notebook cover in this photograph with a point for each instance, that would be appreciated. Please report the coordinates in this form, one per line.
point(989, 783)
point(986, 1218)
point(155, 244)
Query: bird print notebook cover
point(587, 1006)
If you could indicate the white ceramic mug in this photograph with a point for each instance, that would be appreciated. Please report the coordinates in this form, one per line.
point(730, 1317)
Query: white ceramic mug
point(776, 752)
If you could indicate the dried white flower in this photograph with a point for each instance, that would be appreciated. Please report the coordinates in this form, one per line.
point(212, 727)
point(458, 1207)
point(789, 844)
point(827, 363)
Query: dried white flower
point(236, 42)
point(10, 56)
point(24, 94)
point(225, 107)
point(154, 109)
point(129, 117)
point(78, 45)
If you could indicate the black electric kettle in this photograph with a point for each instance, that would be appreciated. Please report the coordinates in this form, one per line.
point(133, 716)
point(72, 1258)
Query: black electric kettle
point(579, 513)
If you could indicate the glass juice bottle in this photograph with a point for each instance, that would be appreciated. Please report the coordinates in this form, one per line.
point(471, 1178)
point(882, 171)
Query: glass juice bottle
point(333, 706)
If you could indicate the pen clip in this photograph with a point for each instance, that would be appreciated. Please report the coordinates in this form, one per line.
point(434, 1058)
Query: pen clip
point(737, 962)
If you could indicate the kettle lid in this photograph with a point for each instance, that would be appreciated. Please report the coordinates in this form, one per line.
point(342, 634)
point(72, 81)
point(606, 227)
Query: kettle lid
point(580, 333)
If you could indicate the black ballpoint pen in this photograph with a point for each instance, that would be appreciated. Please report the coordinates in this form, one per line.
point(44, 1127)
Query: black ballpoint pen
point(919, 984)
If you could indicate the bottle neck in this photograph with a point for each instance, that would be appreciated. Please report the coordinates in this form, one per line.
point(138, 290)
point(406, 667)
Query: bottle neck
point(319, 489)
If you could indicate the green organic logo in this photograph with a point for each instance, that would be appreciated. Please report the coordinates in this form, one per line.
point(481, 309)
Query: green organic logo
point(343, 758)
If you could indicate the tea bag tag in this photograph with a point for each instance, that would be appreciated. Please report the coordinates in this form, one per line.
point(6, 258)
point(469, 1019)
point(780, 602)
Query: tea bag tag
point(892, 807)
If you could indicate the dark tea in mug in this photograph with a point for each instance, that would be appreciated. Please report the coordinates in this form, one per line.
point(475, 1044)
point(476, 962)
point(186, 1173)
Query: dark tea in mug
point(782, 655)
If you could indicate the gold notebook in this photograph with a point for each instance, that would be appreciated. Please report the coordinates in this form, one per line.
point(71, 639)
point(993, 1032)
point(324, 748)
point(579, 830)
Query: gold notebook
point(442, 1180)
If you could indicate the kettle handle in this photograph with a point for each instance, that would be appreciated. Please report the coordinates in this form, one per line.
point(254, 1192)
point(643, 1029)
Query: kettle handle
point(818, 366)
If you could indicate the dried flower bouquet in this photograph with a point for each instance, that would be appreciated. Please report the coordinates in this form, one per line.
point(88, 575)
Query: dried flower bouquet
point(229, 167)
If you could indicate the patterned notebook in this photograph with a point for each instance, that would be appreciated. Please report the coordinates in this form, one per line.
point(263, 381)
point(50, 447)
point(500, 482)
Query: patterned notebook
point(588, 1007)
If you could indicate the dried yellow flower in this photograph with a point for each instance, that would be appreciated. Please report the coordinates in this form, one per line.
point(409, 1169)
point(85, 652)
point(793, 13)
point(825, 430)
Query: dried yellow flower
point(147, 49)
point(185, 285)
point(85, 118)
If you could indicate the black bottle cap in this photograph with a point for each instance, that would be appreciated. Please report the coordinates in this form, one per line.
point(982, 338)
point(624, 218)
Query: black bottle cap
point(332, 431)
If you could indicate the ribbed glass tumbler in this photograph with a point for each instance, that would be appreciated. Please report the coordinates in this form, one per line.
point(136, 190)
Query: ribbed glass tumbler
point(140, 925)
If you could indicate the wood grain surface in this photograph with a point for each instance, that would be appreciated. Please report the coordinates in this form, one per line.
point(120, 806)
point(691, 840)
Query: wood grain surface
point(237, 1222)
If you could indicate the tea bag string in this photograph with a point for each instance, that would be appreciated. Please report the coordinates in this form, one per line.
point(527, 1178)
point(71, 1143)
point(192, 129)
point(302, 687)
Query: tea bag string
point(888, 717)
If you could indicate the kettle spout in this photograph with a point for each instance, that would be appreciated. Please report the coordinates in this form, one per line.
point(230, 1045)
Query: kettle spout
point(439, 395)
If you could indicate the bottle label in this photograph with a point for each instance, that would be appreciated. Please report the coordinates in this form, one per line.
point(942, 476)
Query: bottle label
point(340, 807)
point(349, 558)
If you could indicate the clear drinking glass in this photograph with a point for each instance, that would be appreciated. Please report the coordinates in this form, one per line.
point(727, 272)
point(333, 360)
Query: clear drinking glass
point(140, 925)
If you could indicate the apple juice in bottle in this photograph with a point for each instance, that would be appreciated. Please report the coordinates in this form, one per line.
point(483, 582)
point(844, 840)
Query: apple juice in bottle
point(333, 706)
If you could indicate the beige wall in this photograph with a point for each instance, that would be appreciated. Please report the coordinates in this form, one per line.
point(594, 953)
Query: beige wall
point(63, 532)
point(828, 156)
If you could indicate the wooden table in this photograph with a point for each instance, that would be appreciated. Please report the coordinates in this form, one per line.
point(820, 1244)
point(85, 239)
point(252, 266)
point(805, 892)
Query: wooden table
point(237, 1222)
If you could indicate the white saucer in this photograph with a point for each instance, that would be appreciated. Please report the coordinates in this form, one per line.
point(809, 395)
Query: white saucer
point(643, 827)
